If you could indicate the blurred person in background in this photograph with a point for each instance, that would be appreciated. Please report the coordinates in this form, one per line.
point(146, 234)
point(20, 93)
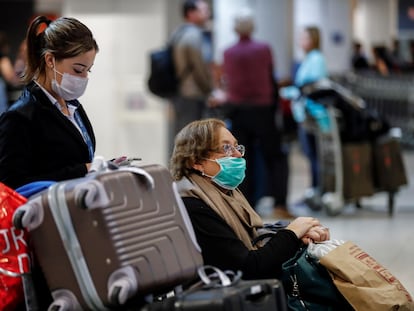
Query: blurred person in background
point(21, 59)
point(312, 69)
point(8, 76)
point(383, 63)
point(359, 60)
point(19, 68)
point(251, 93)
point(192, 54)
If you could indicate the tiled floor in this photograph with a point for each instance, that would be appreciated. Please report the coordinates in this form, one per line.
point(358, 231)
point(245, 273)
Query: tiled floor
point(387, 239)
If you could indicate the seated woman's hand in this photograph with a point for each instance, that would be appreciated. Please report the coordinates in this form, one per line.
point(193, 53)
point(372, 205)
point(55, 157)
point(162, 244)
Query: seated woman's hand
point(316, 234)
point(302, 226)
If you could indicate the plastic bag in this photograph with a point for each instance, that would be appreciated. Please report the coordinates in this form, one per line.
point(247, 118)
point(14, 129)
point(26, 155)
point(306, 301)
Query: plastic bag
point(14, 259)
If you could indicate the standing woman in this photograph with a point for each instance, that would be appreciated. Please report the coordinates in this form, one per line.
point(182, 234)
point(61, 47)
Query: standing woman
point(312, 69)
point(46, 134)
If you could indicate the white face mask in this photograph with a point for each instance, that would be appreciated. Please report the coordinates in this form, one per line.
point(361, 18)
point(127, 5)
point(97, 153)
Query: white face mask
point(70, 87)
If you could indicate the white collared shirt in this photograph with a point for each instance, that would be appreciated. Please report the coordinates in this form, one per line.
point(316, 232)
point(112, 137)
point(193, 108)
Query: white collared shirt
point(71, 108)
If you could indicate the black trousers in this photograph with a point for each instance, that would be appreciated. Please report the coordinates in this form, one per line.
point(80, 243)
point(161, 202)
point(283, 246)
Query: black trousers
point(255, 128)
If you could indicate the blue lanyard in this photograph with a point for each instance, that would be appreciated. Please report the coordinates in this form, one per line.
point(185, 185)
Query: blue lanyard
point(85, 134)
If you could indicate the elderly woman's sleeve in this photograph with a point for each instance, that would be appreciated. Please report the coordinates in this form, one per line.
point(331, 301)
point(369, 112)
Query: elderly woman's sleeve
point(223, 249)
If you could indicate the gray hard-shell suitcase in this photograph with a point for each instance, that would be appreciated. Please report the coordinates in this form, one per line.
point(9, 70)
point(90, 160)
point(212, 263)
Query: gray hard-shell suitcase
point(111, 236)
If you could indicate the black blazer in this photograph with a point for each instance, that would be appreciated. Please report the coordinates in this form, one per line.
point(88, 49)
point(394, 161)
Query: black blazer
point(37, 142)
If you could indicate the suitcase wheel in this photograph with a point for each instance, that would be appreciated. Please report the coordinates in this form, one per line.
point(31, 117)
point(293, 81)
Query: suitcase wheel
point(64, 300)
point(120, 292)
point(122, 285)
point(29, 216)
point(80, 199)
point(18, 219)
point(114, 298)
point(91, 194)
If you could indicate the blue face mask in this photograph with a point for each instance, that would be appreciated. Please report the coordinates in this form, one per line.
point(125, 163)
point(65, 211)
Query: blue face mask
point(231, 174)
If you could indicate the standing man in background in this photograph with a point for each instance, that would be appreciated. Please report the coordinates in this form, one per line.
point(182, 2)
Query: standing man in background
point(192, 58)
point(248, 78)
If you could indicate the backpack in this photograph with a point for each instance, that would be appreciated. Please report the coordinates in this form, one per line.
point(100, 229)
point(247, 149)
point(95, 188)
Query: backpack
point(163, 80)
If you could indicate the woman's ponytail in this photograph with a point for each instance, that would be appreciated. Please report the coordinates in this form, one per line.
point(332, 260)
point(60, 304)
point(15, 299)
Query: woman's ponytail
point(35, 40)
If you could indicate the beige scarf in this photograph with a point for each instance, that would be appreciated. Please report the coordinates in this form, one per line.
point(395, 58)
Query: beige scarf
point(234, 209)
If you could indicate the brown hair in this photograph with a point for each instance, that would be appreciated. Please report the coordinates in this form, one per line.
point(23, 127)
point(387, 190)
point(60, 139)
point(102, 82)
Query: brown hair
point(65, 37)
point(193, 144)
point(315, 36)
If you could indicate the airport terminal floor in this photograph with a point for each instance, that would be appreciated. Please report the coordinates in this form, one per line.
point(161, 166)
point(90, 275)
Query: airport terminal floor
point(387, 239)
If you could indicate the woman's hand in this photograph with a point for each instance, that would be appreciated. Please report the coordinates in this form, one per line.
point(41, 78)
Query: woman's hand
point(316, 234)
point(301, 225)
point(309, 229)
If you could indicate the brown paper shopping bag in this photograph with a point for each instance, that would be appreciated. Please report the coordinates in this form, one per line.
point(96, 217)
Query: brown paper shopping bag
point(365, 283)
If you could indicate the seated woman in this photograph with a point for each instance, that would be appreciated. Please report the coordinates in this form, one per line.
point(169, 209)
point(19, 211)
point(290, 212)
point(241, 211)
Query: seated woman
point(208, 165)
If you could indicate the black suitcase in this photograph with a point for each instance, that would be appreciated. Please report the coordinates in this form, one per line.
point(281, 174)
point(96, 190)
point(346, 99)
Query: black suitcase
point(263, 295)
point(252, 295)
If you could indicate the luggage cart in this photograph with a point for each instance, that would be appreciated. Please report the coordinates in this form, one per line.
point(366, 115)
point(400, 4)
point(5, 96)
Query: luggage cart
point(348, 170)
point(391, 95)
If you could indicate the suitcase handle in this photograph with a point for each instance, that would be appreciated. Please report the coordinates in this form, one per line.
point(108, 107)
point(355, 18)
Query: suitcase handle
point(99, 165)
point(218, 278)
point(149, 180)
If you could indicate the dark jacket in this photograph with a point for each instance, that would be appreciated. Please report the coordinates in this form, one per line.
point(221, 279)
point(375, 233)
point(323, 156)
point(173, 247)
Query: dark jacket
point(37, 142)
point(223, 249)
